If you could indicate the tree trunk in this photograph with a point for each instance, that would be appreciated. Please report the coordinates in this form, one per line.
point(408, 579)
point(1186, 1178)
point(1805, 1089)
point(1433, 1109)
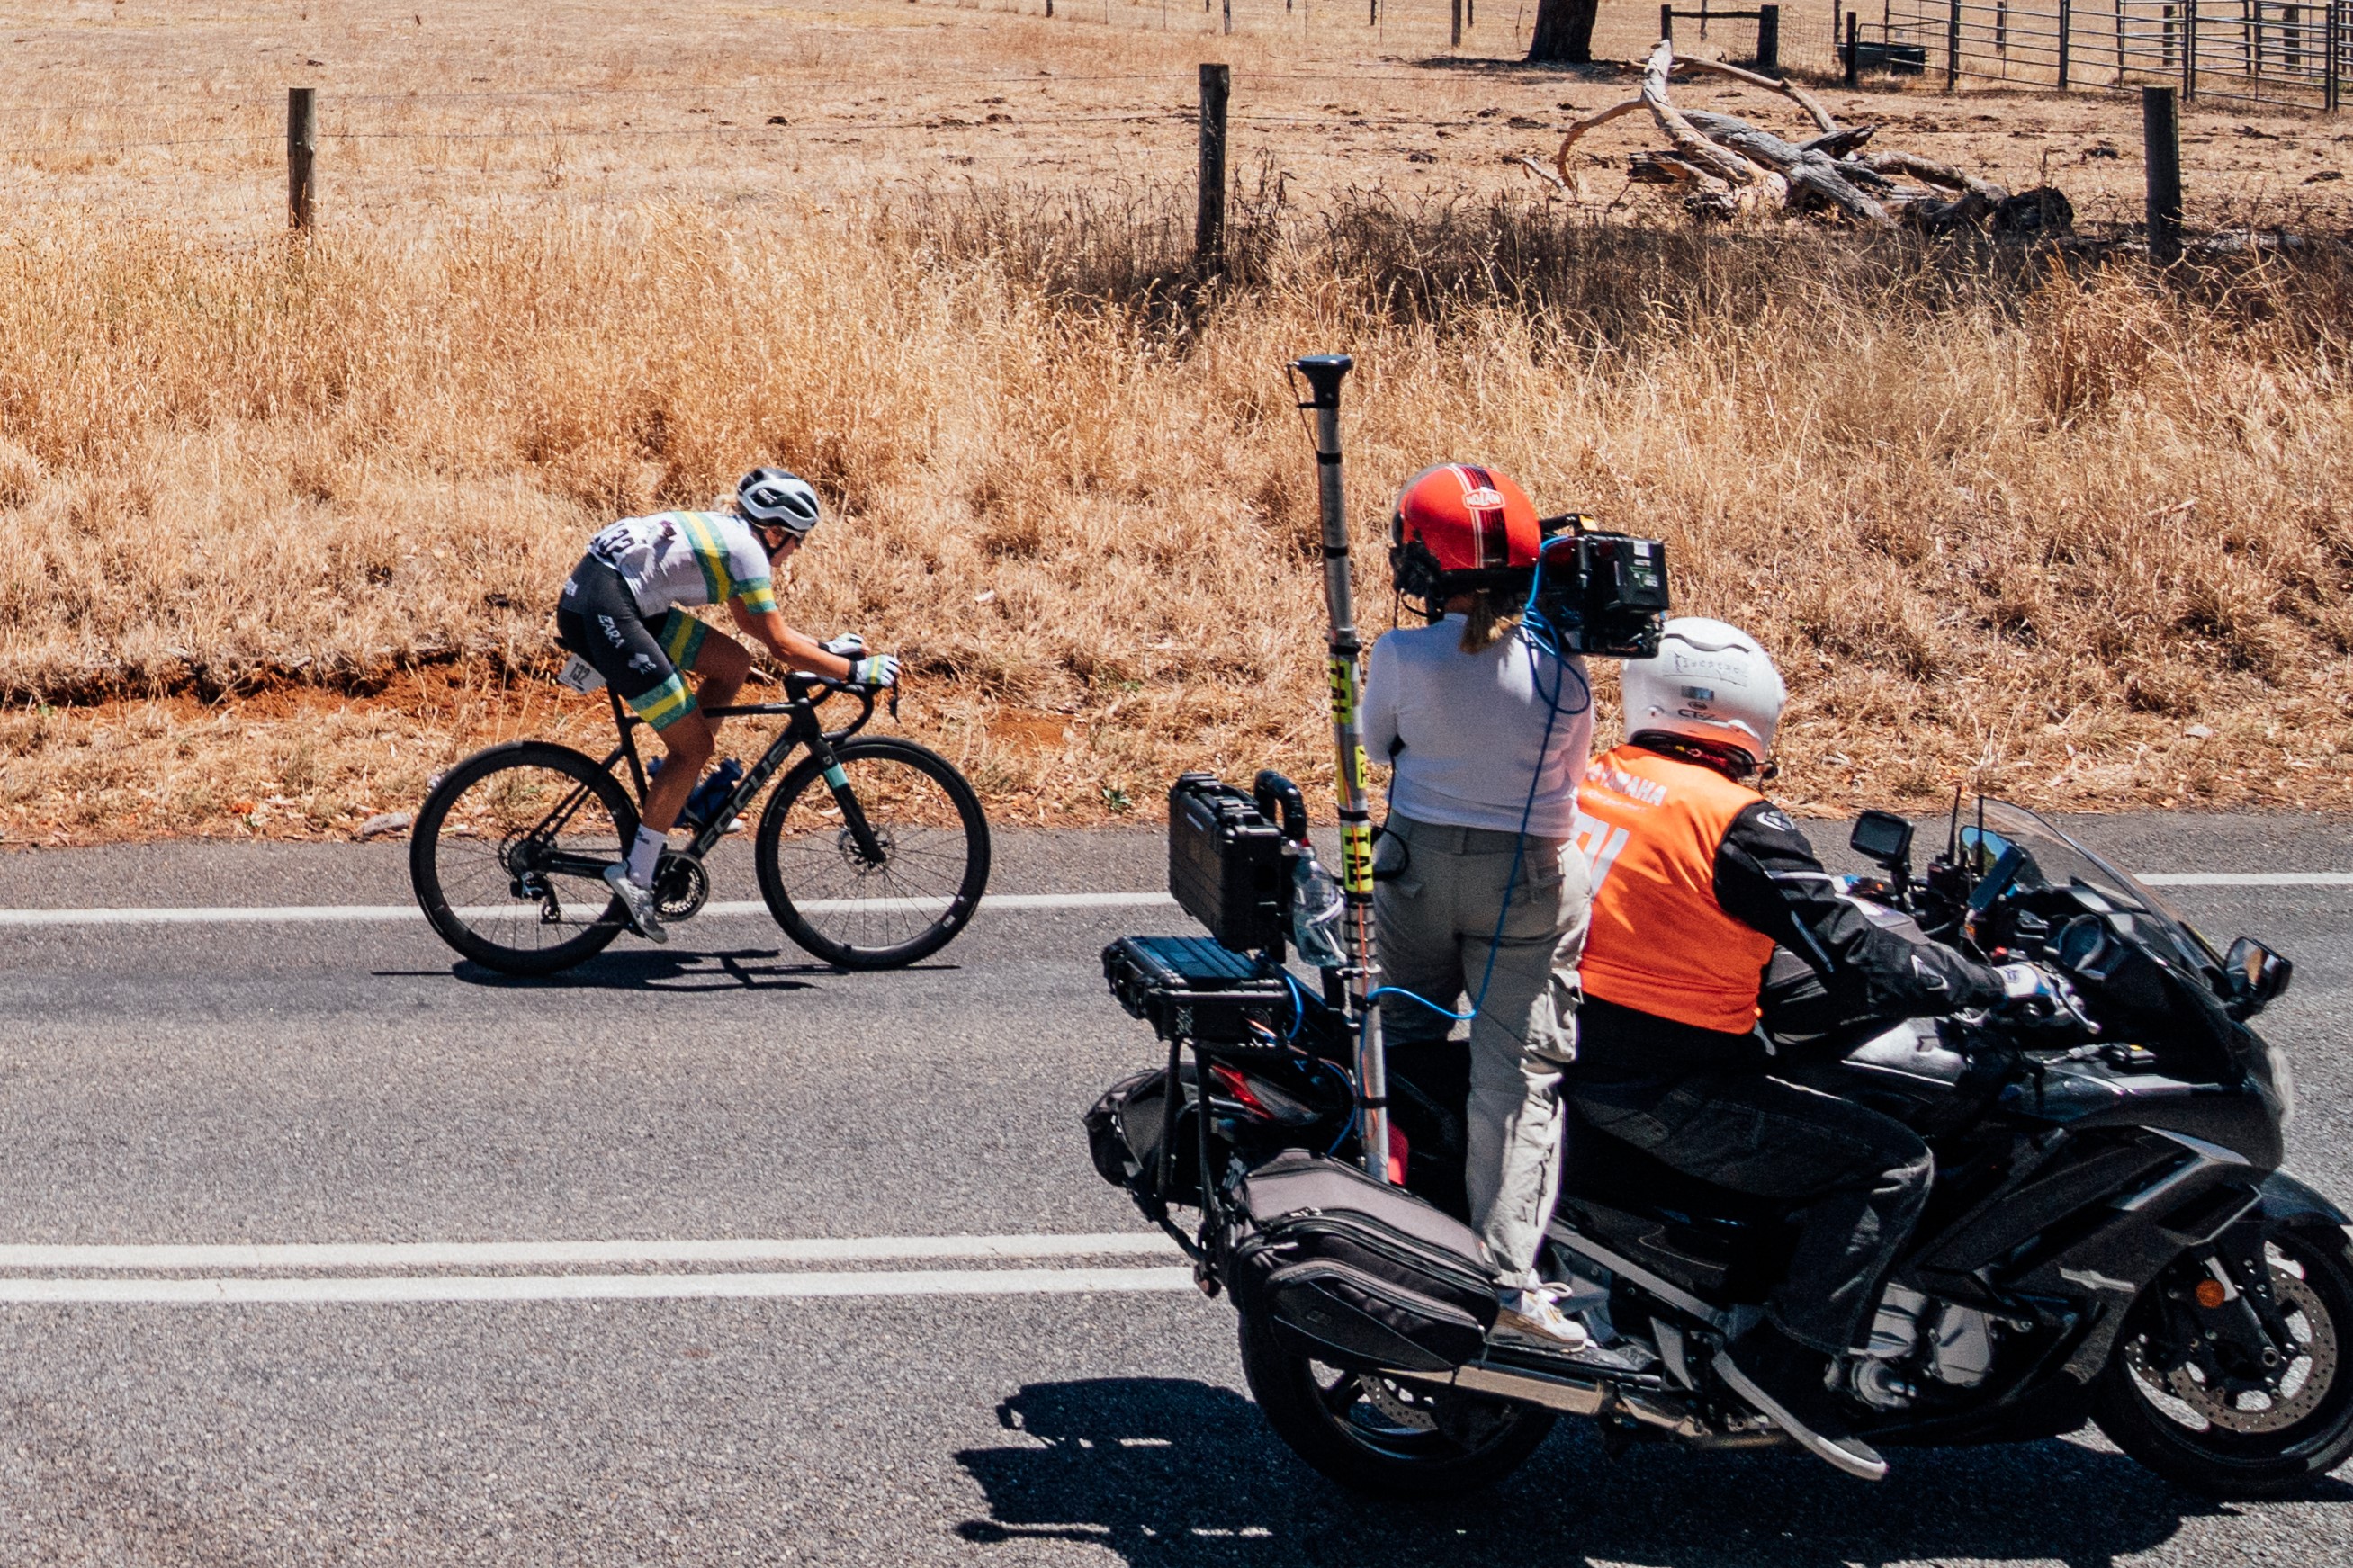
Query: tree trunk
point(1564, 32)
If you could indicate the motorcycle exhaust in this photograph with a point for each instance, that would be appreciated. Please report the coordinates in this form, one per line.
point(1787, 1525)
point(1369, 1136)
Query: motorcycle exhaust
point(1597, 1398)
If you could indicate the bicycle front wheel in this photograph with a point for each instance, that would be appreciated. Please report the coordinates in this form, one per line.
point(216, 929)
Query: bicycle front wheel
point(883, 867)
point(509, 852)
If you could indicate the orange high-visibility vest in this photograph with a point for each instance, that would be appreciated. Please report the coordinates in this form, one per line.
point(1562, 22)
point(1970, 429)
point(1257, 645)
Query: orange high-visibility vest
point(1649, 827)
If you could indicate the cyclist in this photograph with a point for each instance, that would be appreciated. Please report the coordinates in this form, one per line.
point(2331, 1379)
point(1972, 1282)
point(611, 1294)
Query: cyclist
point(624, 610)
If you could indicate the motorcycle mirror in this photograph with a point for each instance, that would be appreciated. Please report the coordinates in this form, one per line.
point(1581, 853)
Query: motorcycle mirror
point(2257, 977)
point(1883, 839)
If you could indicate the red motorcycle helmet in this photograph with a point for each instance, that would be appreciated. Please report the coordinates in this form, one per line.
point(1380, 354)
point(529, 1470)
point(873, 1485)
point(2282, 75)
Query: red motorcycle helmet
point(1459, 528)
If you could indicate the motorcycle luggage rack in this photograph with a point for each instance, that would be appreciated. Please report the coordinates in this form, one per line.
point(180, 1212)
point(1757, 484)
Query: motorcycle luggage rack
point(1191, 990)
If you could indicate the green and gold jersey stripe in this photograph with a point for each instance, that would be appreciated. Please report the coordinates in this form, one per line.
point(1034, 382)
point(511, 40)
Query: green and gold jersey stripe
point(666, 704)
point(711, 555)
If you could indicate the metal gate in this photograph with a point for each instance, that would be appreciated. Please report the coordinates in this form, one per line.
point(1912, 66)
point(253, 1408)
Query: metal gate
point(2288, 52)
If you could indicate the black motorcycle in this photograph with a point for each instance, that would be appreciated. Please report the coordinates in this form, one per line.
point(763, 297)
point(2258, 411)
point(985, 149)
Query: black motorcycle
point(2109, 1238)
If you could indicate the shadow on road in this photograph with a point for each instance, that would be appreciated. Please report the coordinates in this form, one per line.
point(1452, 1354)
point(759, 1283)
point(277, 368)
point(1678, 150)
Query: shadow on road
point(751, 969)
point(1167, 1470)
point(672, 970)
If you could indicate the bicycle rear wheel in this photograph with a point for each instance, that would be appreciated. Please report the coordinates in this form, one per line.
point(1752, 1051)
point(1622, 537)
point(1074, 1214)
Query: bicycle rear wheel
point(508, 854)
point(912, 893)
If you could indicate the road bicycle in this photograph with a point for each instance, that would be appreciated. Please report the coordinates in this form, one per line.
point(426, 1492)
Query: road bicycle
point(872, 852)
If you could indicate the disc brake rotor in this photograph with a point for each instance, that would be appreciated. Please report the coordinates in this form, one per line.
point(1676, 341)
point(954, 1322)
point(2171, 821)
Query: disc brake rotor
point(1396, 1406)
point(2316, 1358)
point(855, 858)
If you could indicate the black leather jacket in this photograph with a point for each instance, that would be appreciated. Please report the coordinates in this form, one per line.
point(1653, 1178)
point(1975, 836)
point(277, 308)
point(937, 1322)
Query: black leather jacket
point(1766, 879)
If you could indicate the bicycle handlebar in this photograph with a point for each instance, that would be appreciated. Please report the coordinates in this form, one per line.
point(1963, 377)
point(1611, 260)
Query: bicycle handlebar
point(813, 691)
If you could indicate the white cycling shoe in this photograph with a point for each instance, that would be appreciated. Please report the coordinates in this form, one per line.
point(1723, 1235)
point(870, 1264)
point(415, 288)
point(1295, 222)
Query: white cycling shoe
point(637, 904)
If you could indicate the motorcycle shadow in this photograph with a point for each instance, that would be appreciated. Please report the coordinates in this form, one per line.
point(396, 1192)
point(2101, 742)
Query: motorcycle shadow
point(1169, 1470)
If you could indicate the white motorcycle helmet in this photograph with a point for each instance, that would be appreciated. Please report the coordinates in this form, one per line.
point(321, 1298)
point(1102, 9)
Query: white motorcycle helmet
point(1710, 684)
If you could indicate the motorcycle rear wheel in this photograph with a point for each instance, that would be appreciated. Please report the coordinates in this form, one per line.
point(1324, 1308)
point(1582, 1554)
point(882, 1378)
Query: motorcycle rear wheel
point(2210, 1443)
point(1387, 1439)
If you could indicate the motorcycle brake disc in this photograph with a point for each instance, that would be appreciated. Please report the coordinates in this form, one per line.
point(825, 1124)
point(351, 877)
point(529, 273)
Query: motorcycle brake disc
point(2221, 1407)
point(1400, 1408)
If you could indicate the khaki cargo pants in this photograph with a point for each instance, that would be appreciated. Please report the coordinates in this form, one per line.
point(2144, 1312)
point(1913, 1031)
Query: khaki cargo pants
point(1435, 907)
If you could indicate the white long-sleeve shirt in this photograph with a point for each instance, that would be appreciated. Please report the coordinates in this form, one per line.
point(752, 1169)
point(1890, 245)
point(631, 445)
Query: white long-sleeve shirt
point(1463, 730)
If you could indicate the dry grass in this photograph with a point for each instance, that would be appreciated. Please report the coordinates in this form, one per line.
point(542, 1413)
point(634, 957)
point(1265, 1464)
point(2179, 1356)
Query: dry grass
point(280, 528)
point(1991, 517)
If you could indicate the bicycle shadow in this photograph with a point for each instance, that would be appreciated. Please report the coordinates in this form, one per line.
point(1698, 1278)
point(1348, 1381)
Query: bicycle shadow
point(664, 971)
point(1168, 1470)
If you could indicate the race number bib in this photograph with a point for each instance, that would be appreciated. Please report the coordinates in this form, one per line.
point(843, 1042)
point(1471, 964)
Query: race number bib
point(579, 675)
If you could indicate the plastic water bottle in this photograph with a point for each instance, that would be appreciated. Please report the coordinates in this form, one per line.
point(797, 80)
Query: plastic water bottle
point(713, 793)
point(1315, 911)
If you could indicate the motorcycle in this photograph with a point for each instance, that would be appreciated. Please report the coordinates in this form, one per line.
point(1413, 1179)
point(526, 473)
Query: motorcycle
point(2109, 1238)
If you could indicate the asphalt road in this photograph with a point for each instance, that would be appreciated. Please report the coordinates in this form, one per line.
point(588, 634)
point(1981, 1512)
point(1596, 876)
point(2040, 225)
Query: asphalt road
point(349, 1083)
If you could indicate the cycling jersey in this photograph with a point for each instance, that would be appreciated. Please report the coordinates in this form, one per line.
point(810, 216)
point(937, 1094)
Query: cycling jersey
point(682, 559)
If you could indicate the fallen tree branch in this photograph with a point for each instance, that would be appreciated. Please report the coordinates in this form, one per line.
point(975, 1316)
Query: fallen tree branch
point(1543, 173)
point(1690, 145)
point(1839, 144)
point(1935, 174)
point(1808, 172)
point(1568, 138)
point(1791, 91)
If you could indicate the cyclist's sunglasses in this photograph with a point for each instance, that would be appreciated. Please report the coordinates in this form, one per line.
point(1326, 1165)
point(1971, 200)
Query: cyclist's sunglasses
point(795, 535)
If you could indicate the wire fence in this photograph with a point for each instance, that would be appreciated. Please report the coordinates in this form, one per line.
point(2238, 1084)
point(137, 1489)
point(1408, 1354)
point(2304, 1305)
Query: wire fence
point(2284, 53)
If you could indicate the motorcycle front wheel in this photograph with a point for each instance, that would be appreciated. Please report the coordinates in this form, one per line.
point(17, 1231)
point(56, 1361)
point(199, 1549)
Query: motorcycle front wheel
point(2248, 1444)
point(1373, 1434)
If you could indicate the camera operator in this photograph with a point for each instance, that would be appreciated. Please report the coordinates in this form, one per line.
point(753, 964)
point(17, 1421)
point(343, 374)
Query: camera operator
point(1479, 889)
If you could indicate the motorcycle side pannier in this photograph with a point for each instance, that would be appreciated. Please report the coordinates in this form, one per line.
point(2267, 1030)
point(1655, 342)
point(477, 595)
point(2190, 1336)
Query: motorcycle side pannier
point(1357, 1274)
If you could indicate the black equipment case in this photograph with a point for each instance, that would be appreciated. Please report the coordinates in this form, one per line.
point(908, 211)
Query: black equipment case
point(1190, 988)
point(1358, 1274)
point(1226, 862)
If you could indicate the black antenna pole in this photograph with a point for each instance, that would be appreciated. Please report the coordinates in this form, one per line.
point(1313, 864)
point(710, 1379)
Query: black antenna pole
point(1324, 373)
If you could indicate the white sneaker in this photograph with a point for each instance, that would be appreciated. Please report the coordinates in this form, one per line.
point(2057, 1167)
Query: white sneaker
point(1530, 1317)
point(637, 904)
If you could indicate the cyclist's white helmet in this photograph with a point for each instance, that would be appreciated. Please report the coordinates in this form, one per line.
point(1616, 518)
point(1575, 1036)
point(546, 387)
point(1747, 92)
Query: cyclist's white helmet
point(774, 498)
point(1710, 683)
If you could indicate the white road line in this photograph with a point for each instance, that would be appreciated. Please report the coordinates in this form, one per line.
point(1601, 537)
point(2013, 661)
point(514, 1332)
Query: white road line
point(273, 914)
point(562, 1254)
point(2248, 878)
point(595, 1287)
point(300, 914)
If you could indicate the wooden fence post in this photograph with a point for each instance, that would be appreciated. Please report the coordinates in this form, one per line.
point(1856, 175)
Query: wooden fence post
point(1667, 21)
point(302, 151)
point(2160, 128)
point(1454, 29)
point(1768, 37)
point(1853, 53)
point(1226, 17)
point(1209, 213)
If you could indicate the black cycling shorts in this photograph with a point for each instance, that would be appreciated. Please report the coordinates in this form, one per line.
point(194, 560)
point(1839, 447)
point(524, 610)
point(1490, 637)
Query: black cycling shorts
point(599, 620)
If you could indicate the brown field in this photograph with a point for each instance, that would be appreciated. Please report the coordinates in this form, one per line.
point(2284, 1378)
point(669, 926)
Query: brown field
point(279, 524)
